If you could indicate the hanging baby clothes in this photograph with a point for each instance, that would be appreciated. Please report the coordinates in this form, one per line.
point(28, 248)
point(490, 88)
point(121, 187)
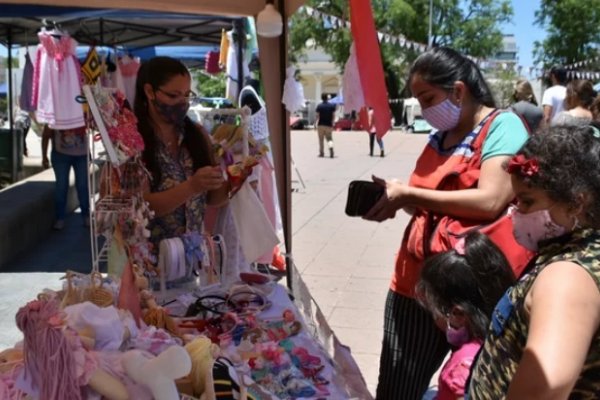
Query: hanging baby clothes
point(251, 39)
point(111, 74)
point(233, 81)
point(57, 82)
point(264, 172)
point(129, 69)
point(224, 49)
point(211, 64)
point(293, 92)
point(236, 262)
point(354, 98)
point(27, 86)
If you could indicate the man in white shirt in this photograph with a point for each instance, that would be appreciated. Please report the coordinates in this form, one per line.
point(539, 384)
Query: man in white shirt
point(554, 96)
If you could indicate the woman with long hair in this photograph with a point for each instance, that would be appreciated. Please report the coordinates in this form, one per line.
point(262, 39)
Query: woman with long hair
point(525, 105)
point(178, 153)
point(579, 100)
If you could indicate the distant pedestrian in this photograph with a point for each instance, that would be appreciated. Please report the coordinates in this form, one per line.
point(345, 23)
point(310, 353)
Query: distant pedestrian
point(554, 96)
point(69, 150)
point(23, 122)
point(325, 117)
point(579, 99)
point(460, 288)
point(373, 135)
point(525, 105)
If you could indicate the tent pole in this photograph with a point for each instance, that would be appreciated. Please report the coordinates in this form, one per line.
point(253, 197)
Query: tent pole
point(15, 145)
point(101, 32)
point(287, 165)
point(240, 34)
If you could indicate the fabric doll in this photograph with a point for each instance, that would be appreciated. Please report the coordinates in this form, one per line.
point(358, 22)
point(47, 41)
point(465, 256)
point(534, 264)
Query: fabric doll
point(153, 314)
point(158, 373)
point(203, 354)
point(57, 366)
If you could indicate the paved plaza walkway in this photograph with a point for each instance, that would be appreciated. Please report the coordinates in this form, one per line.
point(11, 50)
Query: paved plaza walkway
point(346, 262)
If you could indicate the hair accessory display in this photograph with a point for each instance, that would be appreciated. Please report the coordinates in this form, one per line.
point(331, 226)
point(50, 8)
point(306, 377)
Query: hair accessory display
point(117, 124)
point(192, 242)
point(524, 166)
point(171, 261)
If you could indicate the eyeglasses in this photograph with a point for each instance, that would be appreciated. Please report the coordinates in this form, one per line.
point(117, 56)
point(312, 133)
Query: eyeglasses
point(189, 96)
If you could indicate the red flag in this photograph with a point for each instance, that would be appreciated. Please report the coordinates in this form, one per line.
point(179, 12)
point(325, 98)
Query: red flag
point(370, 66)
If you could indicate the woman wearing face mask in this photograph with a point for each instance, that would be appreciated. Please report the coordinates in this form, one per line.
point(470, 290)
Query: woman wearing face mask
point(460, 174)
point(178, 153)
point(544, 339)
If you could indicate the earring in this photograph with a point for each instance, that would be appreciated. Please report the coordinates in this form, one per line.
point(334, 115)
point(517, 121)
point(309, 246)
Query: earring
point(575, 223)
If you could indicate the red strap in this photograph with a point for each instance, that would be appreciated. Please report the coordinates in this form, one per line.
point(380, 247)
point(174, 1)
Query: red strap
point(478, 143)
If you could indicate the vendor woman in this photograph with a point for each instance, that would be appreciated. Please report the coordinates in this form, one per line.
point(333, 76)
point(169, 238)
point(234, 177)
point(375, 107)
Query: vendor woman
point(178, 153)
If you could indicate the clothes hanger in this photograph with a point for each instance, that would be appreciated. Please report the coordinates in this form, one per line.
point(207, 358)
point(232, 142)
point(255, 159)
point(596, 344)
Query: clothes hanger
point(55, 31)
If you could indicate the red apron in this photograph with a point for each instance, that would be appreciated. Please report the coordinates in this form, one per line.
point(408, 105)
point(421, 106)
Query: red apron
point(457, 171)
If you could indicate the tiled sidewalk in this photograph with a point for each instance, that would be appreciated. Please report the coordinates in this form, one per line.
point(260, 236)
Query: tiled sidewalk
point(347, 262)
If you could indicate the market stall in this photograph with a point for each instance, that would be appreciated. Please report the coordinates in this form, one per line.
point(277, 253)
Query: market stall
point(269, 346)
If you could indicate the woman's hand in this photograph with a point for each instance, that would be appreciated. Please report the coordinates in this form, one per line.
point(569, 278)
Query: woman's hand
point(394, 198)
point(206, 179)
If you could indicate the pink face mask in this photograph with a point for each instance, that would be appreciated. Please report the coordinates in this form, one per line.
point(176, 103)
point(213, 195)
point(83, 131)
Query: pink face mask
point(457, 336)
point(531, 228)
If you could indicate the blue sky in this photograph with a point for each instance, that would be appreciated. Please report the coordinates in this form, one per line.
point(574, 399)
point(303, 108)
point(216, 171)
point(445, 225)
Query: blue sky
point(522, 27)
point(525, 31)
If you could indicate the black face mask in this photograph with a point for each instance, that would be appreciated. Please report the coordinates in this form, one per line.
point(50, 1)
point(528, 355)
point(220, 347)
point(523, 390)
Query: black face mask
point(172, 113)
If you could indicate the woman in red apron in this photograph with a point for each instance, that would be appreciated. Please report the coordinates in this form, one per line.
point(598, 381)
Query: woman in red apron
point(459, 174)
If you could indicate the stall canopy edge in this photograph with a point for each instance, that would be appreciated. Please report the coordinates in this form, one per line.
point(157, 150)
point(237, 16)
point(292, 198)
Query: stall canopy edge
point(206, 7)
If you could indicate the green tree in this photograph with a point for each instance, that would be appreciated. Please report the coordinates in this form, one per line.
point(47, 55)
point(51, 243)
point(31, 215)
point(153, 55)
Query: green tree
point(210, 85)
point(15, 61)
point(573, 31)
point(470, 26)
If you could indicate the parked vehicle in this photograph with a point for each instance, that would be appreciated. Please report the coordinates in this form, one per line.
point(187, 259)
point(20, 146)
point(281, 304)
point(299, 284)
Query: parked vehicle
point(347, 123)
point(298, 123)
point(419, 125)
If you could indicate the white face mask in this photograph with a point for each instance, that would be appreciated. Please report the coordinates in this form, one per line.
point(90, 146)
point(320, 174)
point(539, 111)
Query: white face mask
point(531, 228)
point(443, 116)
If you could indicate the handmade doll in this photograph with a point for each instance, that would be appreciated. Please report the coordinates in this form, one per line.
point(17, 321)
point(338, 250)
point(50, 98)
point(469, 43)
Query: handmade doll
point(57, 366)
point(157, 316)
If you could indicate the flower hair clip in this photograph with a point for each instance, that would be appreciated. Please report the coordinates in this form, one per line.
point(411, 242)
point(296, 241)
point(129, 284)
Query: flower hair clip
point(459, 247)
point(524, 166)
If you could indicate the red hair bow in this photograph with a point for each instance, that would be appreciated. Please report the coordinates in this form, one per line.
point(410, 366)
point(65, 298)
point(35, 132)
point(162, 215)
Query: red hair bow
point(524, 166)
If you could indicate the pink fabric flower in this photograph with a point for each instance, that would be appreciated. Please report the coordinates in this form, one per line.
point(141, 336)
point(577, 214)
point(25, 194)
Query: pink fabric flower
point(459, 247)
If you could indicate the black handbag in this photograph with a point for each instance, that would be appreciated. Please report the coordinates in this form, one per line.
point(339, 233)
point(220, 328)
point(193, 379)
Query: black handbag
point(362, 196)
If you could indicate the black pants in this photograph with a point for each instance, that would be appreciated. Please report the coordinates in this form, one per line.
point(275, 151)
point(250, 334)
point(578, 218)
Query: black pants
point(413, 349)
point(372, 137)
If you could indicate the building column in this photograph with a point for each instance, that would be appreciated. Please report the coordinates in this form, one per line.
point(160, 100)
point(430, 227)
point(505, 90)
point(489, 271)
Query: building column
point(318, 87)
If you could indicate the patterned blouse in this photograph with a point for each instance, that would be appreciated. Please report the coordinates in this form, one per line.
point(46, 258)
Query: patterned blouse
point(188, 217)
point(503, 348)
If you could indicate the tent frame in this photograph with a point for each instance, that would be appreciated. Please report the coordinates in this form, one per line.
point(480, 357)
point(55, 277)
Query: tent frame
point(273, 57)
